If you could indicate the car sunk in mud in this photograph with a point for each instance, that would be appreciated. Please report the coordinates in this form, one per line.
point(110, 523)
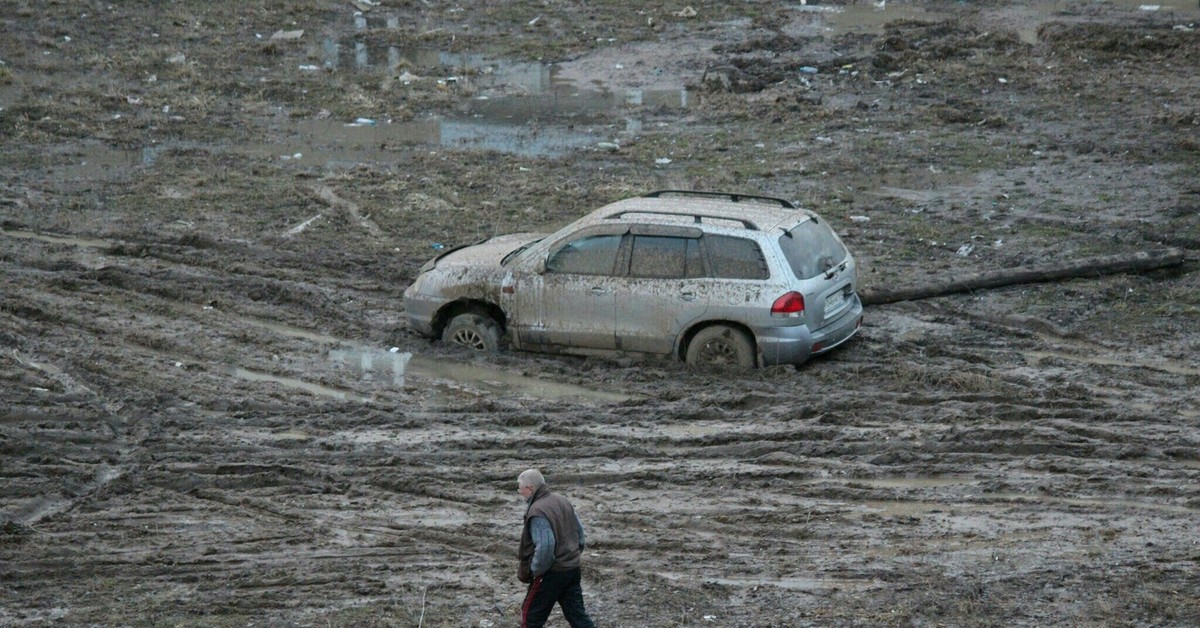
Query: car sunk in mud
point(706, 277)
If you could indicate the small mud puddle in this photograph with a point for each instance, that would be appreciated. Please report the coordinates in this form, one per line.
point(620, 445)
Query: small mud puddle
point(399, 366)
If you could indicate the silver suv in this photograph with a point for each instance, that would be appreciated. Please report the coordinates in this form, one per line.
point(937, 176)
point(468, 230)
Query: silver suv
point(706, 277)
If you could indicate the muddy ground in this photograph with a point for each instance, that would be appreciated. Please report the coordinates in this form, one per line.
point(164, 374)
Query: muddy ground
point(210, 415)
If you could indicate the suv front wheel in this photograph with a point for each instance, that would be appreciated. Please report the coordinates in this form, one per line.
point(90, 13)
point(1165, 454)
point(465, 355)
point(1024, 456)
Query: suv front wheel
point(473, 331)
point(720, 345)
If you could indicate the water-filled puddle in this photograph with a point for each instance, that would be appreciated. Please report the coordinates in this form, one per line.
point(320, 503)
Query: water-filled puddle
point(402, 368)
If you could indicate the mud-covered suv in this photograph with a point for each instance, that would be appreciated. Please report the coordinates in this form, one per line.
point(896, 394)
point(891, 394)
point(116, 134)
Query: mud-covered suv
point(707, 277)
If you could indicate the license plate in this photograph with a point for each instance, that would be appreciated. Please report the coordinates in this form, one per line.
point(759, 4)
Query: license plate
point(834, 301)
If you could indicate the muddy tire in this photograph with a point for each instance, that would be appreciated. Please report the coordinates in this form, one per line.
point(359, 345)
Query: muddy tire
point(721, 346)
point(473, 331)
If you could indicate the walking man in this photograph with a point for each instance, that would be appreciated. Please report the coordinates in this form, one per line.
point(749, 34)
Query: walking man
point(551, 544)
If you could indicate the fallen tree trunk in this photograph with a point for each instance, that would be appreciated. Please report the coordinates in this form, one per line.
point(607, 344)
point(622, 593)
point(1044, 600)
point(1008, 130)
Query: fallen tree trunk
point(1090, 267)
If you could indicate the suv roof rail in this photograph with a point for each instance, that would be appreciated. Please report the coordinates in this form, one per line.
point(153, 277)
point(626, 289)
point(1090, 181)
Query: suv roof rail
point(732, 196)
point(696, 218)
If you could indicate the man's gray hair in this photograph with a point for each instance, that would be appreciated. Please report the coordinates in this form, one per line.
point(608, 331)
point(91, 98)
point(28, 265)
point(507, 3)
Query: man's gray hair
point(531, 477)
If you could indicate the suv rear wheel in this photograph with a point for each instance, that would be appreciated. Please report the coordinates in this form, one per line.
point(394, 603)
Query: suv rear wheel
point(473, 331)
point(720, 345)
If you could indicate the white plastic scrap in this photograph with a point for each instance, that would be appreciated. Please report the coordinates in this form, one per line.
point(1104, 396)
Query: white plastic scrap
point(965, 250)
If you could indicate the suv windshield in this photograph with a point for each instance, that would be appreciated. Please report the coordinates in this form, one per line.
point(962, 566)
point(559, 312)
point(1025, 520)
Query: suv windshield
point(517, 251)
point(811, 249)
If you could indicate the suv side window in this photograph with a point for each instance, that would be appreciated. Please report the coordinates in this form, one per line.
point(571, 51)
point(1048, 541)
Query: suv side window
point(735, 258)
point(665, 257)
point(593, 255)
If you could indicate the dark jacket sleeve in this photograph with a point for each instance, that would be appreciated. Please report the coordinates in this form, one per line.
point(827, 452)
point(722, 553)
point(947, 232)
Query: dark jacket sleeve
point(543, 545)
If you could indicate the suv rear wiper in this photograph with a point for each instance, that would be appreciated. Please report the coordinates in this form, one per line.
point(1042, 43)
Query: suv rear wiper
point(833, 269)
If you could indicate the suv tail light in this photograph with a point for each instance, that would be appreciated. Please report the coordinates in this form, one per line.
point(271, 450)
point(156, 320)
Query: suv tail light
point(790, 305)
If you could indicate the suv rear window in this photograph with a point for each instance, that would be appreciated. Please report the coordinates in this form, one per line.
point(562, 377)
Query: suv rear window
point(812, 249)
point(735, 258)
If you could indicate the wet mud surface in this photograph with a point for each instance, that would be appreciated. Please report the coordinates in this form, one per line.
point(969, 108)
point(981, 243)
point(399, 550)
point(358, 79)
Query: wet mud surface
point(213, 414)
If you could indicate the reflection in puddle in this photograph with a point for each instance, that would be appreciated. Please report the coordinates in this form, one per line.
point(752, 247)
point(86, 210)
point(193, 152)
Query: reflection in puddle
point(368, 363)
point(399, 365)
point(338, 144)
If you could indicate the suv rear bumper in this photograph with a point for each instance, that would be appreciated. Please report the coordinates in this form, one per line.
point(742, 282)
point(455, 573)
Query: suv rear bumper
point(795, 345)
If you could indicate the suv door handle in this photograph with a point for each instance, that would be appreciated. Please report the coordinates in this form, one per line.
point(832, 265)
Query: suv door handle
point(687, 296)
point(599, 290)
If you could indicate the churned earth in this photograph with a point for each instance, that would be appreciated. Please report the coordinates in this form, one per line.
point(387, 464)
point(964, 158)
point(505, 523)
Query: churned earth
point(213, 412)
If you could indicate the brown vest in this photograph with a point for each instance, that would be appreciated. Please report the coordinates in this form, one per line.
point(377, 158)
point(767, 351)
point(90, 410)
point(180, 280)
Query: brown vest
point(561, 515)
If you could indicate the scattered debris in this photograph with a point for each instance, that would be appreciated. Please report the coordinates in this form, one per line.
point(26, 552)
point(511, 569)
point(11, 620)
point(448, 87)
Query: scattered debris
point(686, 12)
point(301, 227)
point(281, 34)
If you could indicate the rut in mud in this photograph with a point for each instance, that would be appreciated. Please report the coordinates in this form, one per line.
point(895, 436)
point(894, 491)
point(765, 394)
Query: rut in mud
point(213, 415)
